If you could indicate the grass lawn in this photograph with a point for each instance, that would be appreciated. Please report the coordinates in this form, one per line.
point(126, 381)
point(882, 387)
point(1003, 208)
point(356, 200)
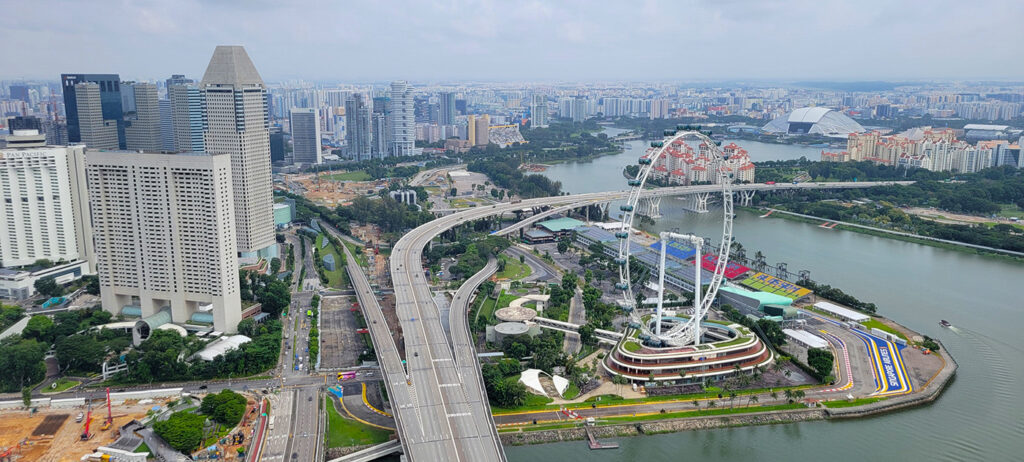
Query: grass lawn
point(856, 402)
point(487, 309)
point(880, 326)
point(1010, 210)
point(357, 175)
point(62, 384)
point(342, 431)
point(721, 410)
point(735, 341)
point(571, 392)
point(532, 402)
point(143, 448)
point(513, 269)
point(632, 347)
point(337, 278)
point(222, 431)
point(505, 299)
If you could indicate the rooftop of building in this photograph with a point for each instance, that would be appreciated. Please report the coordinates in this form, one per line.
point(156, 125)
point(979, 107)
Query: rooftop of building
point(560, 224)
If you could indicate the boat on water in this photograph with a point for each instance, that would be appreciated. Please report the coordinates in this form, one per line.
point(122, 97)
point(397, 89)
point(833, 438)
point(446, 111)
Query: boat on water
point(945, 323)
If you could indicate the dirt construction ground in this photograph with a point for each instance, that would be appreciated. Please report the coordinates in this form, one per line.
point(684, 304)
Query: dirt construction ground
point(340, 344)
point(52, 435)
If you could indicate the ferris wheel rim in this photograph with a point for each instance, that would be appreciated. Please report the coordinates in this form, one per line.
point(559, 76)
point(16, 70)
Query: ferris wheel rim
point(724, 173)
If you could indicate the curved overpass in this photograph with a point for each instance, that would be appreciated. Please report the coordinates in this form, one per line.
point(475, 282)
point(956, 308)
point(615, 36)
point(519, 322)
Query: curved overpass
point(443, 413)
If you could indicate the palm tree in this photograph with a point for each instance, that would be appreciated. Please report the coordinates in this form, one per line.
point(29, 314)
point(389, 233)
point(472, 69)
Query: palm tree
point(799, 394)
point(737, 369)
point(682, 375)
point(732, 397)
point(696, 403)
point(789, 395)
point(753, 399)
point(711, 403)
point(774, 394)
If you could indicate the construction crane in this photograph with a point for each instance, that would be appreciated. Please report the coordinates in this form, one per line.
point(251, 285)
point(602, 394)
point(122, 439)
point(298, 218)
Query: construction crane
point(88, 419)
point(110, 418)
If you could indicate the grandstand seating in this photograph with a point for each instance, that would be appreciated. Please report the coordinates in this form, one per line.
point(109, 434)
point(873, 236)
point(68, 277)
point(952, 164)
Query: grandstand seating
point(767, 283)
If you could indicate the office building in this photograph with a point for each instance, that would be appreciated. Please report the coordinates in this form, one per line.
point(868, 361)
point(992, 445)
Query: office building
point(44, 207)
point(235, 123)
point(141, 117)
point(186, 117)
point(446, 109)
point(56, 132)
point(166, 126)
point(357, 127)
point(109, 100)
point(402, 120)
point(276, 144)
point(19, 93)
point(24, 123)
point(177, 79)
point(305, 123)
point(539, 112)
point(94, 130)
point(380, 128)
point(164, 230)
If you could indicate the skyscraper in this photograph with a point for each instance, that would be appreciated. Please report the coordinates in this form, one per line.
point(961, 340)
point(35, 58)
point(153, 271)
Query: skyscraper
point(306, 136)
point(357, 127)
point(235, 123)
point(187, 117)
point(166, 126)
point(446, 109)
point(403, 122)
point(380, 128)
point(93, 129)
point(20, 93)
point(141, 117)
point(481, 130)
point(164, 232)
point(539, 111)
point(109, 97)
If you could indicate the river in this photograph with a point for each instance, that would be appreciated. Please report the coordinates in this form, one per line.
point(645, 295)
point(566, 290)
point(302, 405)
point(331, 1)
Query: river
point(980, 416)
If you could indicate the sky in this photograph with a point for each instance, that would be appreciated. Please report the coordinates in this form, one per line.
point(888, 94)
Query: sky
point(520, 40)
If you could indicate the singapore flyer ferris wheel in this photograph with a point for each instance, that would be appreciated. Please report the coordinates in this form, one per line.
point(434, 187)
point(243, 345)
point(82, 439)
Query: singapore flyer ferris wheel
point(721, 172)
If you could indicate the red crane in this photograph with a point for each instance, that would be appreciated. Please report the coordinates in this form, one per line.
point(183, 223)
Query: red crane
point(88, 419)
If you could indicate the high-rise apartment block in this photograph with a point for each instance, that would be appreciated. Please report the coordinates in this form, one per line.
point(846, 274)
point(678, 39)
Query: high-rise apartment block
point(186, 117)
point(164, 231)
point(141, 117)
point(93, 129)
point(166, 126)
point(478, 128)
point(109, 102)
point(380, 127)
point(235, 123)
point(446, 109)
point(539, 111)
point(357, 127)
point(305, 123)
point(402, 119)
point(44, 205)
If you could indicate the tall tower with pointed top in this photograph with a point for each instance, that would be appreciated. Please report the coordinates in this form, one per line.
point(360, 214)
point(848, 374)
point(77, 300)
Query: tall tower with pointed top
point(235, 122)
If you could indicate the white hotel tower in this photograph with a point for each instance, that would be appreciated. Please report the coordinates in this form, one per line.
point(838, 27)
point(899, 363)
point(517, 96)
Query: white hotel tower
point(164, 232)
point(235, 123)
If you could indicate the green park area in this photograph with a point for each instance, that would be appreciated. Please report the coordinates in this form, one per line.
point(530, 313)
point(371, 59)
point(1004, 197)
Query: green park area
point(62, 385)
point(336, 278)
point(356, 175)
point(343, 432)
point(514, 269)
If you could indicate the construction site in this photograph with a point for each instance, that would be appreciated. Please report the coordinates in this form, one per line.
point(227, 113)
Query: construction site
point(332, 189)
point(65, 434)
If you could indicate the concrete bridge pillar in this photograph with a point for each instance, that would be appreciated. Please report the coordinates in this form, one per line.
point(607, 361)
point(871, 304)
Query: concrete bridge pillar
point(650, 207)
point(700, 202)
point(746, 197)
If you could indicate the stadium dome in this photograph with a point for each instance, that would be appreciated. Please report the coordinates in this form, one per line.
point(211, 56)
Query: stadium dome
point(815, 121)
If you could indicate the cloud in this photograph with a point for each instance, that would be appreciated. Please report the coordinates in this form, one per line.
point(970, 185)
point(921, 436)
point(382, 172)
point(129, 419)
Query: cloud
point(527, 40)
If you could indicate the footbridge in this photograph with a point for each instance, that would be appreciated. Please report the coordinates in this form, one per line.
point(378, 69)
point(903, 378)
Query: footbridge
point(605, 336)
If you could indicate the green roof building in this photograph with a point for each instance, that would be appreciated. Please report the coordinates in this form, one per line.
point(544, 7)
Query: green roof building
point(560, 226)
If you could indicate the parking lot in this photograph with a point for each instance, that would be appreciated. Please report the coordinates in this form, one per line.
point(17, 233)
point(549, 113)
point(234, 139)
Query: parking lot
point(340, 345)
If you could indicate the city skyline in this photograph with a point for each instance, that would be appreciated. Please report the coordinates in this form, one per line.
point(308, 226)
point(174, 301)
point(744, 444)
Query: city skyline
point(533, 41)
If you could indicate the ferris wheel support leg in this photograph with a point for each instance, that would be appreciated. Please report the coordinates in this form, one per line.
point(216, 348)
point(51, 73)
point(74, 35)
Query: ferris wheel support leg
point(661, 285)
point(696, 292)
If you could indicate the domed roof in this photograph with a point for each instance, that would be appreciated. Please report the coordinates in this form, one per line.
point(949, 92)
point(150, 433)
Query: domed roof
point(814, 120)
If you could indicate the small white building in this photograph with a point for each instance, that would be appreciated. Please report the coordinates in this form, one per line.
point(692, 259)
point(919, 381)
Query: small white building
point(845, 314)
point(805, 339)
point(222, 346)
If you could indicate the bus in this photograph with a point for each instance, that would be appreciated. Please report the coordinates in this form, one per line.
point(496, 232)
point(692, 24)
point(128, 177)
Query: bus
point(270, 425)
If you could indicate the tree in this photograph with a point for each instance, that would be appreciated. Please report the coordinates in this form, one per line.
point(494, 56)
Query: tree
point(21, 361)
point(247, 327)
point(753, 399)
point(48, 287)
point(81, 353)
point(39, 327)
point(696, 403)
point(183, 430)
point(821, 361)
point(275, 265)
point(226, 407)
point(92, 284)
point(26, 396)
point(522, 259)
point(586, 332)
point(275, 297)
point(789, 395)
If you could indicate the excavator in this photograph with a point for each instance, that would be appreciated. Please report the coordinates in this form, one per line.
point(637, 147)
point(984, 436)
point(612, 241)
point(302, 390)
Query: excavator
point(110, 418)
